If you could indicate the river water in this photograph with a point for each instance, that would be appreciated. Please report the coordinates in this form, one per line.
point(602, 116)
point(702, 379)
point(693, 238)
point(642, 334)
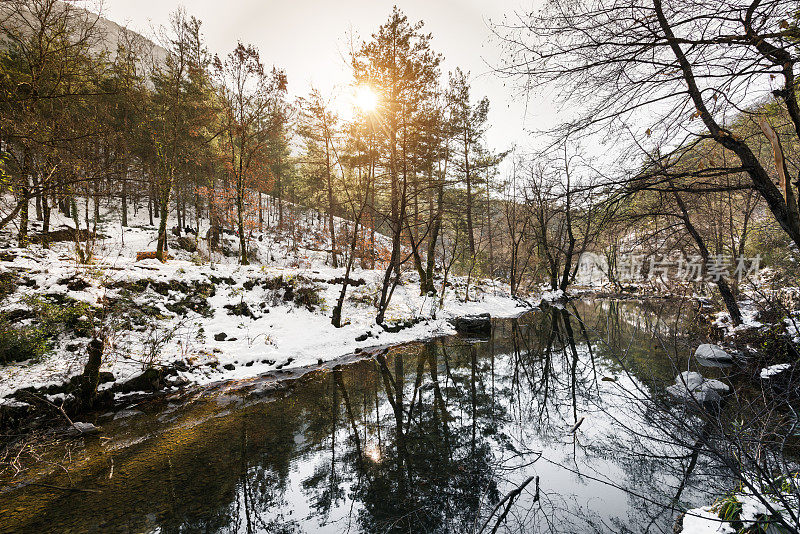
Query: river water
point(557, 423)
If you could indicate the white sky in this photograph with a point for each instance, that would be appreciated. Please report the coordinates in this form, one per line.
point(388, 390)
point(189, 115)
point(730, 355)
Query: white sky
point(308, 38)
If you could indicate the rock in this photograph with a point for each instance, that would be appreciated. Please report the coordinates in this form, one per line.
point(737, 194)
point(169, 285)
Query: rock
point(691, 386)
point(105, 376)
point(690, 378)
point(12, 413)
point(710, 355)
point(363, 337)
point(473, 324)
point(229, 366)
point(220, 337)
point(79, 428)
point(178, 381)
point(699, 395)
point(716, 385)
point(149, 380)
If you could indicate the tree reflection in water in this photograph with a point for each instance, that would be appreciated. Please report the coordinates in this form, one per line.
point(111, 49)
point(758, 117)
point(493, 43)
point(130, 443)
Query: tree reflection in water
point(429, 438)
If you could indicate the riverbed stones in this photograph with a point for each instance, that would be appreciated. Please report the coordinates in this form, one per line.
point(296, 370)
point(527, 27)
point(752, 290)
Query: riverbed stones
point(480, 324)
point(710, 355)
point(692, 386)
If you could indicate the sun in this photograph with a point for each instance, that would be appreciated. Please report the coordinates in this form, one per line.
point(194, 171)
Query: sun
point(365, 99)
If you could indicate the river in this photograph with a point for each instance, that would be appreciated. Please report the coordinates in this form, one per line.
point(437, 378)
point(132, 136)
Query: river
point(557, 423)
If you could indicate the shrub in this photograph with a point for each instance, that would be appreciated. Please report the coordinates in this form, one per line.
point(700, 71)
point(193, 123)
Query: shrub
point(49, 317)
point(22, 343)
point(728, 508)
point(309, 297)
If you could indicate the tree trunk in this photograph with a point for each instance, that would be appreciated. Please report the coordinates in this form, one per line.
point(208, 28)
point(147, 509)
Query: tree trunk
point(330, 201)
point(161, 248)
point(125, 196)
point(45, 220)
point(37, 195)
point(25, 194)
point(91, 373)
point(468, 177)
point(240, 222)
point(722, 284)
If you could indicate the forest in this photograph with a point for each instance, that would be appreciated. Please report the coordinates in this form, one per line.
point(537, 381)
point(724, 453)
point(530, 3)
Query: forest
point(174, 218)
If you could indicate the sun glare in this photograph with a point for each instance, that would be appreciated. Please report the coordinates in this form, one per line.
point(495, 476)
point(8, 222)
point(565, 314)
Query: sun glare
point(373, 452)
point(365, 99)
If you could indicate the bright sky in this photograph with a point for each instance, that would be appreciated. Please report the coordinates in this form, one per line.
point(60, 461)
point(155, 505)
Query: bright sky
point(308, 38)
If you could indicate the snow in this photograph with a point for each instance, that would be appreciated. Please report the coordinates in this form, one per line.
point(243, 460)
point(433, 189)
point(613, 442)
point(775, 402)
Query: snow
point(706, 521)
point(773, 370)
point(749, 321)
point(282, 334)
point(554, 297)
point(793, 327)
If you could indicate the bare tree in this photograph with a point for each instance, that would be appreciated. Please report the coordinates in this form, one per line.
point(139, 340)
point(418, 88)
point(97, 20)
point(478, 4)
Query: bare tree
point(652, 68)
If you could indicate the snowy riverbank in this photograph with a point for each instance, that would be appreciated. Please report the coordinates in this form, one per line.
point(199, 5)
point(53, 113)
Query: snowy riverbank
point(213, 320)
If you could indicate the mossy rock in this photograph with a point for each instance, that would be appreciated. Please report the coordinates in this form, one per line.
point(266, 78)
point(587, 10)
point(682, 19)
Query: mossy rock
point(187, 243)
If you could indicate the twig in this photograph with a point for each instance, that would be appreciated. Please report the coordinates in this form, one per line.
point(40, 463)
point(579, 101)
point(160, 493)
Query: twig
point(59, 408)
point(577, 425)
point(509, 499)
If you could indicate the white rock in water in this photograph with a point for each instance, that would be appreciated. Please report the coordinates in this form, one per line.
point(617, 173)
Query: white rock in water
point(710, 355)
point(712, 352)
point(691, 379)
point(691, 385)
point(716, 385)
point(700, 395)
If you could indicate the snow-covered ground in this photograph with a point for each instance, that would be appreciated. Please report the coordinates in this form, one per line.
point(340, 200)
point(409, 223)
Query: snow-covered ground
point(262, 329)
point(706, 520)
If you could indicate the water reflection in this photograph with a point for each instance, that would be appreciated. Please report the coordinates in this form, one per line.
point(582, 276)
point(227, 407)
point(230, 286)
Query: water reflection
point(433, 437)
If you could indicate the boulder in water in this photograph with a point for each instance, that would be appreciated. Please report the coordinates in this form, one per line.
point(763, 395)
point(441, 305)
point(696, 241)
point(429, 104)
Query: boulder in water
point(473, 324)
point(691, 386)
point(710, 355)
